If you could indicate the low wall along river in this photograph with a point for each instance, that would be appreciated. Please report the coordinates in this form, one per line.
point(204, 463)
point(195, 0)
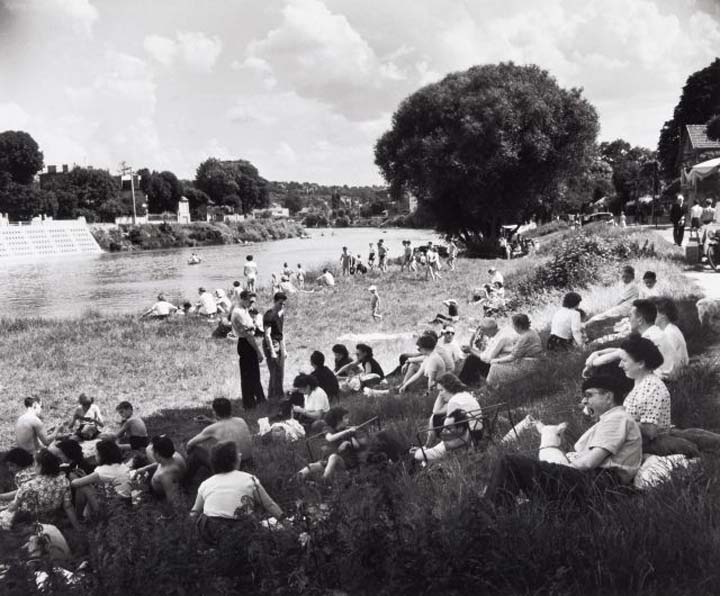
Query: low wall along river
point(45, 239)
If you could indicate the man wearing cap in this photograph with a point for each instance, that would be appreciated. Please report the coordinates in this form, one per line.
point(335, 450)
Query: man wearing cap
point(248, 350)
point(677, 217)
point(607, 455)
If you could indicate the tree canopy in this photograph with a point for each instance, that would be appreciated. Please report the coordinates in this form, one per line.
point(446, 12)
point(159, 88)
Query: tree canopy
point(234, 183)
point(20, 156)
point(94, 194)
point(632, 174)
point(163, 190)
point(699, 102)
point(485, 146)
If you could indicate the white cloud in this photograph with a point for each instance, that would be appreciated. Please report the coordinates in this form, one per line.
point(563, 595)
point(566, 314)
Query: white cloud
point(303, 88)
point(319, 54)
point(161, 49)
point(197, 50)
point(12, 116)
point(81, 14)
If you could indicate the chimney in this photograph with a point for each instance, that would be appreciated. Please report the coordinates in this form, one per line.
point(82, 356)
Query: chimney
point(65, 168)
point(52, 170)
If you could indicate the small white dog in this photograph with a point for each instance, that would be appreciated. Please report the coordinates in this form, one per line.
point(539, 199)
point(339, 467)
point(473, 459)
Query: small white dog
point(551, 437)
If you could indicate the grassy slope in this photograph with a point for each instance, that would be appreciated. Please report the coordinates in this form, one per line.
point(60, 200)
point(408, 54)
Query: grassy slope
point(175, 364)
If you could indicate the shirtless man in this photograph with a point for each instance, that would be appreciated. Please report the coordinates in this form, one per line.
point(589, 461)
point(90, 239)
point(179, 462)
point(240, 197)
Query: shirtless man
point(227, 428)
point(30, 433)
point(168, 470)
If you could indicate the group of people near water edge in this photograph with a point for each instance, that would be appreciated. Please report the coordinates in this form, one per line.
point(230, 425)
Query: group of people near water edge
point(63, 474)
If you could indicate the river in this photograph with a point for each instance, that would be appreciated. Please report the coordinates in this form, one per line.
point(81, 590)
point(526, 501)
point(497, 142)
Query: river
point(129, 282)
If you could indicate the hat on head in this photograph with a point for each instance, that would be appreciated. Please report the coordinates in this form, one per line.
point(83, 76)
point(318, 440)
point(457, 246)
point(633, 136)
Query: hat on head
point(488, 324)
point(492, 270)
point(450, 301)
point(372, 289)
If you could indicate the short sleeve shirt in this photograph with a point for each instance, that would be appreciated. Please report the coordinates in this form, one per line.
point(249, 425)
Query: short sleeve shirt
point(671, 364)
point(619, 434)
point(42, 494)
point(317, 401)
point(163, 308)
point(275, 322)
point(528, 345)
point(116, 476)
point(649, 402)
point(242, 322)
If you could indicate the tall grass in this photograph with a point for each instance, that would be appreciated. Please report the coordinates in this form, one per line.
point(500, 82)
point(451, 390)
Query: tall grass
point(391, 529)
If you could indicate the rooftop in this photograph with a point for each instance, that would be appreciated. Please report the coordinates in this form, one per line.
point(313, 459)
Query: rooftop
point(697, 133)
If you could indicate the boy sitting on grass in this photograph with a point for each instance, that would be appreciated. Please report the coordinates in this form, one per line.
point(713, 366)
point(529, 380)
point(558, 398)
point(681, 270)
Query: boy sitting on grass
point(132, 435)
point(342, 440)
point(88, 417)
point(431, 368)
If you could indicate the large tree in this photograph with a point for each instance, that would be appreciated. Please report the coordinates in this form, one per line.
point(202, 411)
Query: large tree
point(485, 146)
point(163, 190)
point(20, 156)
point(699, 102)
point(83, 191)
point(23, 201)
point(235, 183)
point(632, 169)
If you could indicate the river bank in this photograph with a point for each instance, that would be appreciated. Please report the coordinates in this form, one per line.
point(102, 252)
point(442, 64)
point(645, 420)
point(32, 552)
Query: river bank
point(171, 235)
point(386, 531)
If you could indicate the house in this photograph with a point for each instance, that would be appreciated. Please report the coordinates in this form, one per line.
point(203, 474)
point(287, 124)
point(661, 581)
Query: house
point(275, 211)
point(696, 147)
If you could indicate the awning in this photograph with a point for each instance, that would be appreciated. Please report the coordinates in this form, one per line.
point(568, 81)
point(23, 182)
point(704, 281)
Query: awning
point(701, 171)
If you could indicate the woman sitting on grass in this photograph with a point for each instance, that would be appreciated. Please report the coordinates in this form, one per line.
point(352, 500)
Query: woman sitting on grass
point(371, 373)
point(316, 402)
point(342, 359)
point(228, 493)
point(454, 435)
point(110, 472)
point(649, 400)
point(523, 358)
point(453, 395)
point(566, 326)
point(44, 494)
point(342, 439)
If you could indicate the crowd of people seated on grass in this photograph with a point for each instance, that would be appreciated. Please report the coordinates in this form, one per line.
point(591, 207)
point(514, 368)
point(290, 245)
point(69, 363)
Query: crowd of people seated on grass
point(627, 392)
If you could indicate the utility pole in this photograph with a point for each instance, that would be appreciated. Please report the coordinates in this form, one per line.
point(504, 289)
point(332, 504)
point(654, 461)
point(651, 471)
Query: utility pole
point(126, 169)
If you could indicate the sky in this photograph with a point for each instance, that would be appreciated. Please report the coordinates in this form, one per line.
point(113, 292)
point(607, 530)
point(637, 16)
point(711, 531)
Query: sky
point(303, 88)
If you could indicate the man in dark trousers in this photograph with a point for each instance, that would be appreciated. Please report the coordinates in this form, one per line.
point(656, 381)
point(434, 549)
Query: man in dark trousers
point(677, 217)
point(249, 351)
point(274, 345)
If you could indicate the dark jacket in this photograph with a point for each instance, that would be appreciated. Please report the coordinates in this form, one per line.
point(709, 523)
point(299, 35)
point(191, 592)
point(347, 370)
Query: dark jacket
point(676, 213)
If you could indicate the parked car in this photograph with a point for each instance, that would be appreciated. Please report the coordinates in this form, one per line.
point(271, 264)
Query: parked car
point(603, 216)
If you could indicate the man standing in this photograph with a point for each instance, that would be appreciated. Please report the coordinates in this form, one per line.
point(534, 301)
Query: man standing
point(677, 217)
point(274, 345)
point(609, 454)
point(248, 351)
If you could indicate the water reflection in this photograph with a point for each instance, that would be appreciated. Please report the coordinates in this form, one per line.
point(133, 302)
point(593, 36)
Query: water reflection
point(67, 286)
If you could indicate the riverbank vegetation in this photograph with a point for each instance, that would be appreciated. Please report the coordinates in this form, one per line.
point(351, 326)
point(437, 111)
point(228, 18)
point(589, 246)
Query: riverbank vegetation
point(169, 235)
point(385, 530)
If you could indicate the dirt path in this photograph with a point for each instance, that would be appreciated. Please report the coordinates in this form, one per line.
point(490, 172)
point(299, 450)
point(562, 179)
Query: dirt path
point(707, 279)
